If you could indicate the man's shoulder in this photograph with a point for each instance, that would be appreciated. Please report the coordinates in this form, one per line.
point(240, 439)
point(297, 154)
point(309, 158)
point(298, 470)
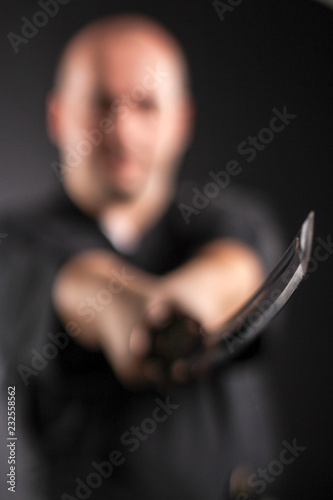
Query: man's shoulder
point(50, 224)
point(203, 212)
point(200, 198)
point(30, 217)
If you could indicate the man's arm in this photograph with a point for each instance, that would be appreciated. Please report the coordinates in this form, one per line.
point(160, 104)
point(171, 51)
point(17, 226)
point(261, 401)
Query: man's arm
point(123, 300)
point(218, 280)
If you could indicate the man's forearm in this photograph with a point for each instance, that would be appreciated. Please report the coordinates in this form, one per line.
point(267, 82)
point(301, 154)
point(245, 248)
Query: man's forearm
point(213, 284)
point(92, 287)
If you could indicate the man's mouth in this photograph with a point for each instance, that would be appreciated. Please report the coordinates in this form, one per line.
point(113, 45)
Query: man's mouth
point(122, 166)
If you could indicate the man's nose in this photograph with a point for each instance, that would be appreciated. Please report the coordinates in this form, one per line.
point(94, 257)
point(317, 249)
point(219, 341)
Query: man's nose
point(126, 126)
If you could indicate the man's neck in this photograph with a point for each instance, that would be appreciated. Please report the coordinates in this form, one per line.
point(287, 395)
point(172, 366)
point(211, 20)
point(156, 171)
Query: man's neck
point(124, 220)
point(127, 222)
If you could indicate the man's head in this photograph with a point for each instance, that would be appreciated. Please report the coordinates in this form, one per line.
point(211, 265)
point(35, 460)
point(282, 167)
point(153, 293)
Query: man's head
point(120, 112)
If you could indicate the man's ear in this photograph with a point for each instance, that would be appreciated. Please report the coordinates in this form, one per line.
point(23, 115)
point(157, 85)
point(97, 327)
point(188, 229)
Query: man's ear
point(52, 117)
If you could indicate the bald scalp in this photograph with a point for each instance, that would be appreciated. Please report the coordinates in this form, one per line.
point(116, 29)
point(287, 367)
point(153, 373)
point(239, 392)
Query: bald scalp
point(91, 39)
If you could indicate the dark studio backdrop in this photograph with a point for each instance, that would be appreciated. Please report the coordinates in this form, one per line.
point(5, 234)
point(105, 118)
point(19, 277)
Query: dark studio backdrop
point(262, 55)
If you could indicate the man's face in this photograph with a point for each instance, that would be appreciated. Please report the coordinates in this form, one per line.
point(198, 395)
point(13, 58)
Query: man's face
point(122, 118)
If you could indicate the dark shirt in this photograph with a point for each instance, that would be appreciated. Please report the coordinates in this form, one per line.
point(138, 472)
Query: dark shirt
point(72, 411)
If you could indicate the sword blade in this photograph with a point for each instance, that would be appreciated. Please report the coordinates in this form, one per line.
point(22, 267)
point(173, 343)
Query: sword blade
point(245, 326)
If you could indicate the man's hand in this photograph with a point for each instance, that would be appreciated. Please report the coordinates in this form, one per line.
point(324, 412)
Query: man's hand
point(215, 283)
point(109, 300)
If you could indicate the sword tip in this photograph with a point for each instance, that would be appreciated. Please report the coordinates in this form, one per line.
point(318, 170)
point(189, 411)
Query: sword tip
point(306, 238)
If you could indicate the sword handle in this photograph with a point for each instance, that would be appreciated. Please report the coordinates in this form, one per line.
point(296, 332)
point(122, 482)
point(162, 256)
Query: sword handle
point(179, 338)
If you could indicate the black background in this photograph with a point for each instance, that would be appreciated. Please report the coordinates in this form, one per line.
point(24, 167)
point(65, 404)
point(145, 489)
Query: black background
point(264, 54)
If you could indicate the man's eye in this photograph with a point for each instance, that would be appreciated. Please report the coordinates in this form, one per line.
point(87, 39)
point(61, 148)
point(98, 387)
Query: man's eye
point(147, 104)
point(102, 103)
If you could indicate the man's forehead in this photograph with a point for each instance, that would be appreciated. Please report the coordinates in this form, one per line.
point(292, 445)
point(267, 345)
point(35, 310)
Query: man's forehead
point(128, 61)
point(121, 58)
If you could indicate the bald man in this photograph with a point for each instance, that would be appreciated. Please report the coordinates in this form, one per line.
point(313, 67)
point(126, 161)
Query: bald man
point(110, 257)
point(132, 76)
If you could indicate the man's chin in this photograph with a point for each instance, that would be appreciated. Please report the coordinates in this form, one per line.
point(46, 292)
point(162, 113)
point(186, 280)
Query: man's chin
point(122, 182)
point(124, 191)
